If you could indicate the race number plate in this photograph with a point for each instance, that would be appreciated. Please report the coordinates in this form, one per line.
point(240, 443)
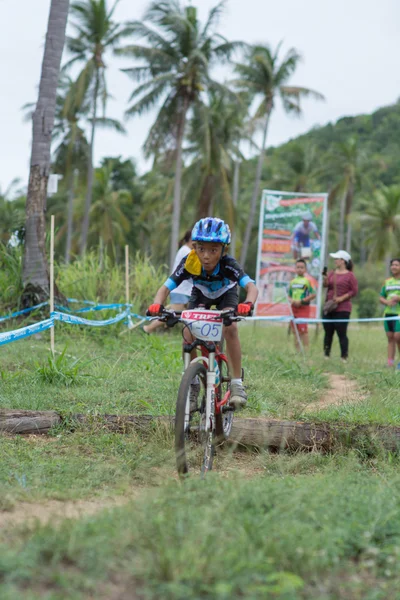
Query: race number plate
point(204, 324)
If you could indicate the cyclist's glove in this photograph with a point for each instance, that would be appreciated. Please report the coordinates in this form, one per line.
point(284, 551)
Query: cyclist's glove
point(245, 309)
point(154, 310)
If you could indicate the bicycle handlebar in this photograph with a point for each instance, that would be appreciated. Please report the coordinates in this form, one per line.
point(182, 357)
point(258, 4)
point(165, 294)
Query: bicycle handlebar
point(171, 318)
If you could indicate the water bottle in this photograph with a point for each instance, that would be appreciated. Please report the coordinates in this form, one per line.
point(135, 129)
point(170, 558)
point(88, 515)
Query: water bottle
point(217, 373)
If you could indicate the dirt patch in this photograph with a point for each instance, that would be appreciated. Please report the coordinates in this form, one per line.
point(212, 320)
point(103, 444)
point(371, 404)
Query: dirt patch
point(341, 391)
point(55, 510)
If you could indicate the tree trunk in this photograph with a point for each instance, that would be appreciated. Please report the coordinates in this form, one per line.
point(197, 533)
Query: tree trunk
point(342, 221)
point(206, 197)
point(388, 257)
point(71, 182)
point(349, 237)
point(254, 198)
point(235, 198)
point(363, 249)
point(88, 199)
point(35, 273)
point(246, 432)
point(176, 210)
point(349, 206)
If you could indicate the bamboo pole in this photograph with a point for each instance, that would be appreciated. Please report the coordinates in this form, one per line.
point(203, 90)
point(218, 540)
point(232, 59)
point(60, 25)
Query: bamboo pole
point(127, 274)
point(52, 280)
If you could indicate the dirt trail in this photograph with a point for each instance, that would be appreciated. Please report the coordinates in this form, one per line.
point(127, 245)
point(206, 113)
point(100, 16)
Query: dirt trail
point(28, 513)
point(54, 511)
point(341, 391)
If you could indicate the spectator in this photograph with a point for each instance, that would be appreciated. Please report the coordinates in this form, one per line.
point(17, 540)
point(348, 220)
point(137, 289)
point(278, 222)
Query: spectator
point(180, 296)
point(300, 295)
point(390, 297)
point(342, 286)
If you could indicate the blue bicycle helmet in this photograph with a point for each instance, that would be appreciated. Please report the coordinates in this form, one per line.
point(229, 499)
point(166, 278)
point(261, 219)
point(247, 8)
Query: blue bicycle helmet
point(211, 229)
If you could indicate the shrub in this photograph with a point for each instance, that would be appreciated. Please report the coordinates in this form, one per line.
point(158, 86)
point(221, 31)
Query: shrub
point(368, 304)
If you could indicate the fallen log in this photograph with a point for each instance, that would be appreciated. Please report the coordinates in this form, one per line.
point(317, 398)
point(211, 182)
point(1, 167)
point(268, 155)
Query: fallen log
point(28, 421)
point(246, 432)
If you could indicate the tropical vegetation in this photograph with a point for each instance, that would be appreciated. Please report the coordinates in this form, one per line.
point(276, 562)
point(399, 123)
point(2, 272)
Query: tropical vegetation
point(201, 127)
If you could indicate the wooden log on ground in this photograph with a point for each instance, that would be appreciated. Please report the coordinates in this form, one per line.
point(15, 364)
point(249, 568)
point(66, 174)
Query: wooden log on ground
point(281, 435)
point(253, 433)
point(28, 421)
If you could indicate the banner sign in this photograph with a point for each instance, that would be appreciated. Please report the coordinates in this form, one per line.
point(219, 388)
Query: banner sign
point(292, 226)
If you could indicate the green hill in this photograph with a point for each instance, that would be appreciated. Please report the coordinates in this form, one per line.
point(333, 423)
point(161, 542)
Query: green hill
point(308, 163)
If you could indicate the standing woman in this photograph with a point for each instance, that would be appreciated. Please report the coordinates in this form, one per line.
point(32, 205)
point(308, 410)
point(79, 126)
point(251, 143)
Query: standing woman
point(342, 286)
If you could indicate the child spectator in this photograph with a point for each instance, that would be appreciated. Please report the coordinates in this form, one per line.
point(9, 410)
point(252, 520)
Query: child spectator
point(301, 293)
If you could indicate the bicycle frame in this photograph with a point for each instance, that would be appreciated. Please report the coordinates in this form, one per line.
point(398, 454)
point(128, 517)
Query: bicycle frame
point(209, 355)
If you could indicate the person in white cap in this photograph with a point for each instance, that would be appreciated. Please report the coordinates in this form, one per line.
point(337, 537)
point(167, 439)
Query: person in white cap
point(301, 236)
point(341, 286)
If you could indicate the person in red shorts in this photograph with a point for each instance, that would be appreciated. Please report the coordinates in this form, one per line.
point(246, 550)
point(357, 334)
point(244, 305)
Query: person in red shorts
point(301, 293)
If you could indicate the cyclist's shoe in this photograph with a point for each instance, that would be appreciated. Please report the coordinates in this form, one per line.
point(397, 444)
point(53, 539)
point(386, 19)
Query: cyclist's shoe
point(194, 394)
point(238, 397)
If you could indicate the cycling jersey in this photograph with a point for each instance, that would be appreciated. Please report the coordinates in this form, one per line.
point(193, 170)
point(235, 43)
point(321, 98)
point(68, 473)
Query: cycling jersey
point(390, 288)
point(300, 288)
point(226, 275)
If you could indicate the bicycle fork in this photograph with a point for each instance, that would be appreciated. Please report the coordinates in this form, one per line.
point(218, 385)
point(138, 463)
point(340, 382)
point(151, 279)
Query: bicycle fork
point(209, 423)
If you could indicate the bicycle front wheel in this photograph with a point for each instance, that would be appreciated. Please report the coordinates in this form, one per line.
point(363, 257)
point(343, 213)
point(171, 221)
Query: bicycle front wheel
point(190, 421)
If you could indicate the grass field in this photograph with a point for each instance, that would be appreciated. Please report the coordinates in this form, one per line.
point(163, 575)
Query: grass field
point(262, 525)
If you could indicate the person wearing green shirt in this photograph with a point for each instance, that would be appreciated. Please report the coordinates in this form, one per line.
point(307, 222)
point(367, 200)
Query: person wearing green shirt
point(390, 297)
point(301, 293)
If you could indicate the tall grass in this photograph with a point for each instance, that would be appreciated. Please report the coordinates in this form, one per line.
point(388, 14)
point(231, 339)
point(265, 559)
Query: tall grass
point(104, 281)
point(86, 278)
point(10, 277)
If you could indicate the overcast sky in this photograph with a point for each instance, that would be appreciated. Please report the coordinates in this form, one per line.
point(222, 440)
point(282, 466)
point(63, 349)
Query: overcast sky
point(350, 52)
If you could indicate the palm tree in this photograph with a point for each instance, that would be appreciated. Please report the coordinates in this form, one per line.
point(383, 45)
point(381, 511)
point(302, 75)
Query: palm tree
point(174, 71)
point(35, 273)
point(347, 161)
point(108, 222)
point(215, 133)
point(72, 149)
point(264, 77)
point(381, 218)
point(97, 33)
point(297, 167)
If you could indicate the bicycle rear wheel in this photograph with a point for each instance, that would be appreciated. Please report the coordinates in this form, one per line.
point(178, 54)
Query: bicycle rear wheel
point(191, 447)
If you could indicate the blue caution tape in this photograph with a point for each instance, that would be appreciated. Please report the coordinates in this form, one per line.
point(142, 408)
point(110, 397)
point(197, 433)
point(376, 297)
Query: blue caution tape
point(81, 301)
point(73, 320)
point(139, 316)
point(288, 318)
point(96, 307)
point(19, 334)
point(25, 311)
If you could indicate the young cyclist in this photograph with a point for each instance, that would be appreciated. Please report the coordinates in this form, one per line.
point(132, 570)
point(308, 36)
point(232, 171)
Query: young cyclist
point(300, 295)
point(390, 297)
point(215, 277)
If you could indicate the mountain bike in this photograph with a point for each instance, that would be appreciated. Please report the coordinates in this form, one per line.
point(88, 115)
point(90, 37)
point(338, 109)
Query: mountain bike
point(204, 415)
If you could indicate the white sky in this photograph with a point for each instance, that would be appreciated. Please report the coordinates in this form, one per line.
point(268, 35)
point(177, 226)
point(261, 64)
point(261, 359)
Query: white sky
point(350, 48)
